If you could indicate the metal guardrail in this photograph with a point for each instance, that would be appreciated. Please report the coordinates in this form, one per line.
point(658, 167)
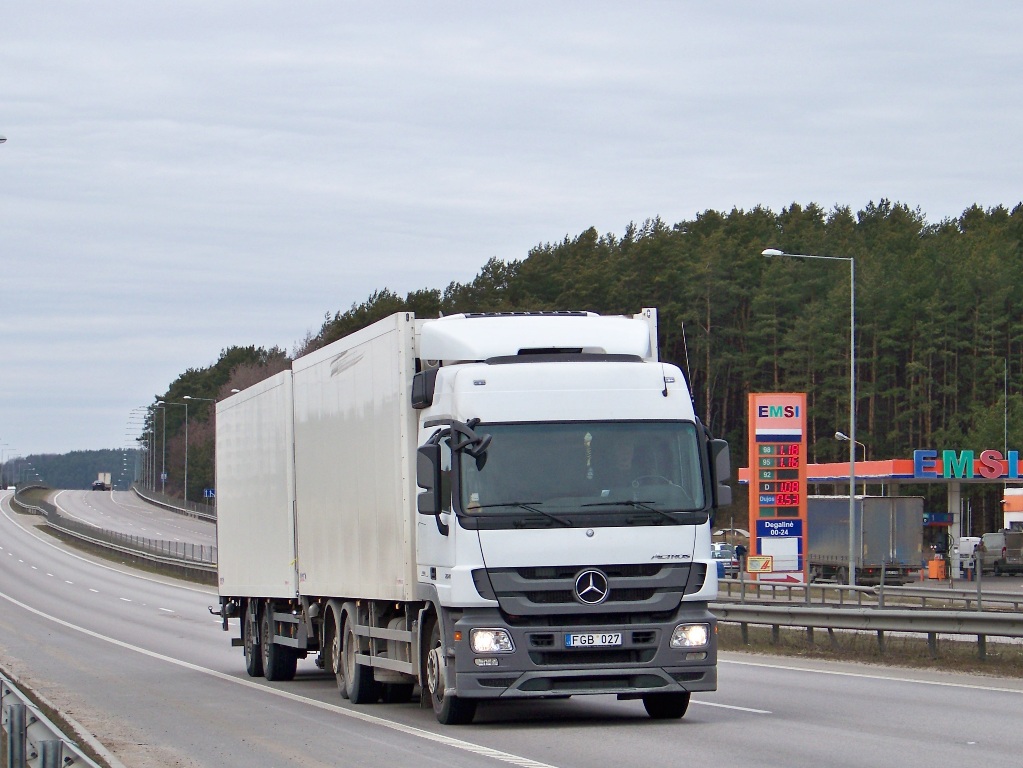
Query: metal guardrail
point(33, 741)
point(818, 593)
point(191, 508)
point(188, 557)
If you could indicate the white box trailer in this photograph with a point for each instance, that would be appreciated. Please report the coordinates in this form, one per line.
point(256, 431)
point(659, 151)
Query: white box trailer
point(431, 504)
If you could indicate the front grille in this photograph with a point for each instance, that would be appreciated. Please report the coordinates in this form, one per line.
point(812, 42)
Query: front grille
point(549, 590)
point(604, 656)
point(565, 596)
point(547, 573)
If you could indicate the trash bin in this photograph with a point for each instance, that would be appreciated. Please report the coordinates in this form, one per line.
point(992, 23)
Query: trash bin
point(936, 569)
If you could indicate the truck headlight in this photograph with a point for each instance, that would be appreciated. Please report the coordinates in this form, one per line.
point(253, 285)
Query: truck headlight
point(690, 636)
point(490, 641)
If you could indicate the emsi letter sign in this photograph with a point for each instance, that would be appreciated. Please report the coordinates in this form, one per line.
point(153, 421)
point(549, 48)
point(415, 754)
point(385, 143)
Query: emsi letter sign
point(777, 500)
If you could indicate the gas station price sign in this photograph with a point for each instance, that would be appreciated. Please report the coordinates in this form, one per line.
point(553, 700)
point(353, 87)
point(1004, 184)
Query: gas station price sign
point(777, 459)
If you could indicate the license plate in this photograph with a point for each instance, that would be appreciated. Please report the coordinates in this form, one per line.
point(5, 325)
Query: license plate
point(593, 639)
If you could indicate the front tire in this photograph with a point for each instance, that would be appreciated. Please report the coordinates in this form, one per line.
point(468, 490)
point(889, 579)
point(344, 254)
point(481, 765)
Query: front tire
point(666, 706)
point(449, 709)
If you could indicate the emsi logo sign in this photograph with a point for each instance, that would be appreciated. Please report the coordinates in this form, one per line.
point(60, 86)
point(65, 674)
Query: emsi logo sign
point(965, 465)
point(778, 411)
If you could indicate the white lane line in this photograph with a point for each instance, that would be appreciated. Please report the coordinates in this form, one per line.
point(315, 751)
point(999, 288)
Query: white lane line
point(448, 741)
point(68, 582)
point(125, 599)
point(732, 706)
point(167, 610)
point(866, 676)
point(94, 590)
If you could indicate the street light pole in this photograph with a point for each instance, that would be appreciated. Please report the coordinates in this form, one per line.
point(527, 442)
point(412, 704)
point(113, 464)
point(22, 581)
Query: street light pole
point(769, 252)
point(842, 436)
point(168, 402)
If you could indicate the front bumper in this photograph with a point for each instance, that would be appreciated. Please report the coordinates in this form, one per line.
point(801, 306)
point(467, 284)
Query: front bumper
point(541, 665)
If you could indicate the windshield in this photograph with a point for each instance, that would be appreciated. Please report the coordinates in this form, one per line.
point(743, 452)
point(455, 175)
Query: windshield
point(565, 472)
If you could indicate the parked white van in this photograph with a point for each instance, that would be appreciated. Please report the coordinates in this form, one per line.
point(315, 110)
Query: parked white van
point(1002, 552)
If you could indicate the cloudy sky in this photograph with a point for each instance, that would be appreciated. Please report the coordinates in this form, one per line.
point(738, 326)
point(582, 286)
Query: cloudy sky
point(180, 177)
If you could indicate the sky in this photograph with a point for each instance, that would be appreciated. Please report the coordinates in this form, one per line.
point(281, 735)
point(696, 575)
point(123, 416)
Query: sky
point(182, 177)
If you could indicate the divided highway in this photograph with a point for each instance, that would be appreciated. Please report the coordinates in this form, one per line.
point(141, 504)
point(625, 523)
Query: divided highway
point(142, 664)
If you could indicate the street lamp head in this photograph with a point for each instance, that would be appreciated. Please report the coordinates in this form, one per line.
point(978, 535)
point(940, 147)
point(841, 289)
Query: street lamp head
point(769, 252)
point(841, 436)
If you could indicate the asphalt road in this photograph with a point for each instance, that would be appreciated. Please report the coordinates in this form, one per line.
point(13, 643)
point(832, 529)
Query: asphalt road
point(142, 664)
point(124, 512)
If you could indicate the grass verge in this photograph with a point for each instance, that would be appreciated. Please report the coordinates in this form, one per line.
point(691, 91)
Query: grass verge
point(1004, 659)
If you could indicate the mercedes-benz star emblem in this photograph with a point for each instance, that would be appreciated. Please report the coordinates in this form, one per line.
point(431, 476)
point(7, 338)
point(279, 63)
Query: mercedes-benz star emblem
point(591, 587)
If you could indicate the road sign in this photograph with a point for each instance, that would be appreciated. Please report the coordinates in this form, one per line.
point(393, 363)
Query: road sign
point(209, 493)
point(759, 564)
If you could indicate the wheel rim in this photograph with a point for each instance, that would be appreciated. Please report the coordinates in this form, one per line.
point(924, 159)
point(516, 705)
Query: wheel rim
point(348, 654)
point(264, 642)
point(335, 655)
point(434, 679)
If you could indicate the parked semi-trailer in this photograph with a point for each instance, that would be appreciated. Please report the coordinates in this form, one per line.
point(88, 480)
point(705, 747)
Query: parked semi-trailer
point(888, 534)
point(477, 507)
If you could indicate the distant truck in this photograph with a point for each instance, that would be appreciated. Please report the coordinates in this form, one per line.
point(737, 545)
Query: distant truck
point(890, 533)
point(102, 482)
point(439, 506)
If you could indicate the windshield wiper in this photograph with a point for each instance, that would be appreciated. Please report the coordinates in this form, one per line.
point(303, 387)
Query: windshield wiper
point(676, 518)
point(529, 506)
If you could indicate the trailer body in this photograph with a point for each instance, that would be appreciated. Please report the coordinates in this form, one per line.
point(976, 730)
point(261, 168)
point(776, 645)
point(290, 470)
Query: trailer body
point(888, 531)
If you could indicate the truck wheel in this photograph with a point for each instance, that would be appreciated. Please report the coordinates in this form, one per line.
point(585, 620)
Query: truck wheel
point(336, 664)
point(359, 682)
point(666, 706)
point(250, 638)
point(450, 710)
point(279, 662)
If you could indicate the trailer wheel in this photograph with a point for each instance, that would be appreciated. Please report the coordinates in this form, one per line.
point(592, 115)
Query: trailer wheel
point(279, 662)
point(666, 706)
point(359, 682)
point(250, 639)
point(450, 710)
point(336, 664)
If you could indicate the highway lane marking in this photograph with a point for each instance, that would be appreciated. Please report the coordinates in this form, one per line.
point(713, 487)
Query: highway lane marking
point(732, 706)
point(866, 676)
point(134, 574)
point(448, 741)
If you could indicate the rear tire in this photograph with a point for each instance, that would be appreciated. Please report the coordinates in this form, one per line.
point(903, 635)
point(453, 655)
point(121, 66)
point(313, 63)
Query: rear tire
point(250, 639)
point(279, 662)
point(666, 706)
point(336, 662)
point(359, 682)
point(449, 710)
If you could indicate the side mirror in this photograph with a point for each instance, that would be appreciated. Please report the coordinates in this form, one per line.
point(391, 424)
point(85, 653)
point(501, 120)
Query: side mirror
point(428, 478)
point(424, 385)
point(722, 472)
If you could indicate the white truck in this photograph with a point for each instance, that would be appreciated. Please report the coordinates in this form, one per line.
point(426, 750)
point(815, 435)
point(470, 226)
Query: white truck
point(102, 482)
point(477, 507)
